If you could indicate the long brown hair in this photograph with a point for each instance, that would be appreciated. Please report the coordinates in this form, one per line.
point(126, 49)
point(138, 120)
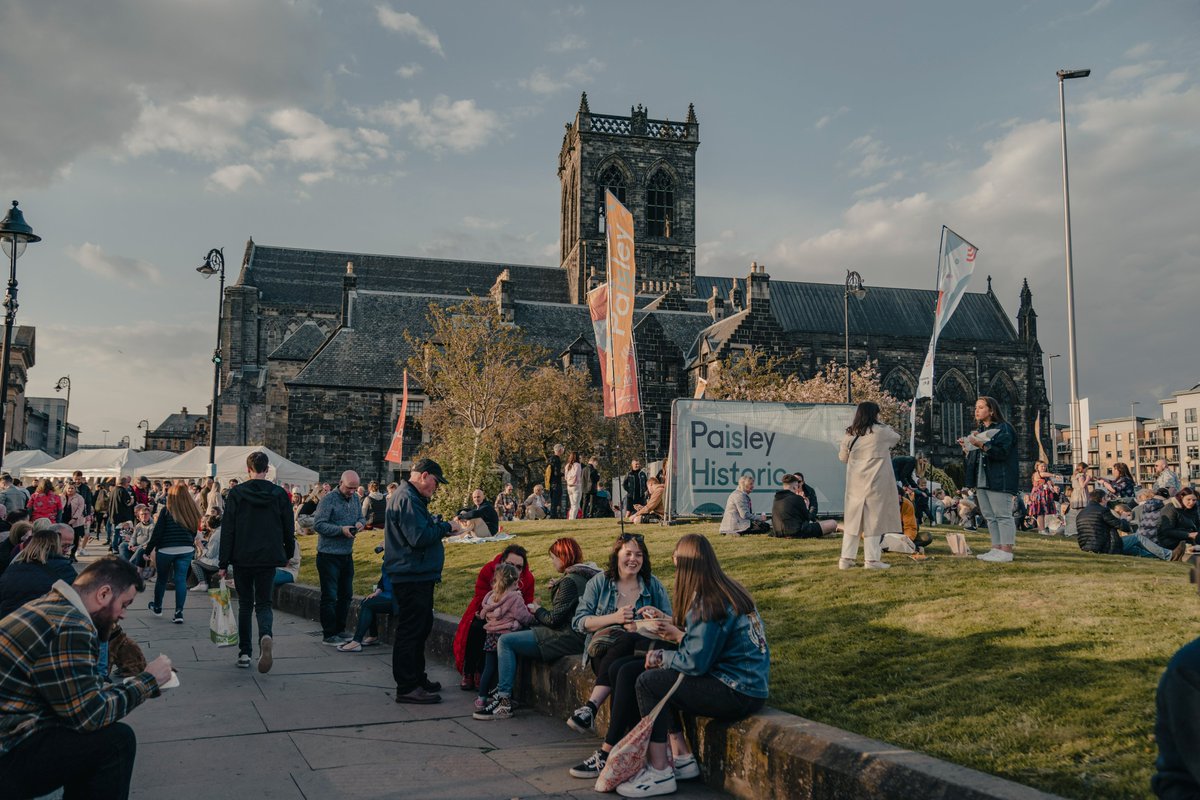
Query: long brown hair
point(1122, 470)
point(701, 586)
point(183, 508)
point(866, 416)
point(994, 412)
point(613, 573)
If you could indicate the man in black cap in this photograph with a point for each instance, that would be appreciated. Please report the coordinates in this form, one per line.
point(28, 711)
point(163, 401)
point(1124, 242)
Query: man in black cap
point(413, 558)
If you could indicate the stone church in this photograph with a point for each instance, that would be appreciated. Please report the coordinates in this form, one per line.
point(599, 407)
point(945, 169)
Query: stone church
point(313, 342)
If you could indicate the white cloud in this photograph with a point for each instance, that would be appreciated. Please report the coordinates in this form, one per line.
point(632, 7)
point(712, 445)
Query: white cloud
point(310, 178)
point(546, 82)
point(131, 271)
point(205, 127)
point(1131, 72)
point(409, 70)
point(233, 177)
point(408, 25)
point(872, 155)
point(480, 224)
point(456, 125)
point(828, 118)
point(567, 44)
point(309, 139)
point(1139, 50)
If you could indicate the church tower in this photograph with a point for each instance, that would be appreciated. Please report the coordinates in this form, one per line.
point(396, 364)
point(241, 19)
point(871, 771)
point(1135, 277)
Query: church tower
point(650, 165)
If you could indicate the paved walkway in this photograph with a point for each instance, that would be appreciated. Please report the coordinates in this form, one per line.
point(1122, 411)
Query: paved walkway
point(323, 724)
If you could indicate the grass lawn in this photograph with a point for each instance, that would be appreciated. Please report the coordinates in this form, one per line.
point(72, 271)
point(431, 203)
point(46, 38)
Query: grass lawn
point(1042, 671)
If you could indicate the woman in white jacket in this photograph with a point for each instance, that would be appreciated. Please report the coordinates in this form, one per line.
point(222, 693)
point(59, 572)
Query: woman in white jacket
point(871, 509)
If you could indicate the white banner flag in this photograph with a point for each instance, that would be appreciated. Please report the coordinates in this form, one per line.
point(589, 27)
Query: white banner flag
point(954, 273)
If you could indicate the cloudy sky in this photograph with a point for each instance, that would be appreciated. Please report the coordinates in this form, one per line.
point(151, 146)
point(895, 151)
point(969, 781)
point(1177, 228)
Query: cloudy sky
point(138, 134)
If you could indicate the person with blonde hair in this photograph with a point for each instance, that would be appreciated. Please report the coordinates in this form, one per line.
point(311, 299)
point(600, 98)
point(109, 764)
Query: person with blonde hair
point(173, 542)
point(35, 569)
point(740, 518)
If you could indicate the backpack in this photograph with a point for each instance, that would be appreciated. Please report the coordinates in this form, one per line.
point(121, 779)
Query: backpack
point(378, 507)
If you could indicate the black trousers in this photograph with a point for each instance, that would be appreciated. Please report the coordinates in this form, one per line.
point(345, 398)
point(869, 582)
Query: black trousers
point(473, 652)
point(253, 585)
point(88, 766)
point(556, 501)
point(336, 573)
point(703, 696)
point(606, 665)
point(412, 605)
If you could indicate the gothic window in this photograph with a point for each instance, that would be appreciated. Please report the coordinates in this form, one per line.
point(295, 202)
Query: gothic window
point(899, 385)
point(613, 180)
point(1004, 393)
point(954, 404)
point(660, 204)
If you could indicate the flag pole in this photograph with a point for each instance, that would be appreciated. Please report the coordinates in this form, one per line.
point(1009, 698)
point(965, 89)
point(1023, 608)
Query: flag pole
point(912, 424)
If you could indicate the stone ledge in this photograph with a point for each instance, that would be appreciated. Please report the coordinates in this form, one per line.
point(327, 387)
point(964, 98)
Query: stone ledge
point(772, 754)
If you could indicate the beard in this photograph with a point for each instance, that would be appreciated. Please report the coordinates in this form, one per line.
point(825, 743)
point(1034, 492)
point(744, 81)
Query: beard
point(105, 620)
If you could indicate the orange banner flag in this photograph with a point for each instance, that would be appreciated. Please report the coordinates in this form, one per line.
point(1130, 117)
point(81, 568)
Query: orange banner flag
point(622, 283)
point(395, 453)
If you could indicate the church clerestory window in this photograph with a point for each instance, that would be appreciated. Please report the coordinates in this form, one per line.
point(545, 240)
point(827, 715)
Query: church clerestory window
point(613, 180)
point(660, 204)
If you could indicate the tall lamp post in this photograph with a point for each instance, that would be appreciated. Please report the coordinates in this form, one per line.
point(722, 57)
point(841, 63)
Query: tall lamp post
point(1133, 449)
point(145, 425)
point(15, 233)
point(64, 383)
point(214, 264)
point(1053, 427)
point(1076, 440)
point(854, 286)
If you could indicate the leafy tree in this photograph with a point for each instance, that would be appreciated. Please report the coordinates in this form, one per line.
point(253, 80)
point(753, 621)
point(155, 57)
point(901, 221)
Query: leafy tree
point(464, 467)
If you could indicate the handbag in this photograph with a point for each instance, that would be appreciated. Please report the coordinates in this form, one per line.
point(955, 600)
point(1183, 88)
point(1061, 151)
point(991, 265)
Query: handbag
point(222, 624)
point(958, 544)
point(629, 755)
point(603, 640)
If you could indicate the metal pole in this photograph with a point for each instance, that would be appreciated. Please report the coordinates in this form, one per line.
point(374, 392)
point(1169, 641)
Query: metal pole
point(66, 417)
point(212, 412)
point(10, 313)
point(1077, 455)
point(1053, 427)
point(846, 320)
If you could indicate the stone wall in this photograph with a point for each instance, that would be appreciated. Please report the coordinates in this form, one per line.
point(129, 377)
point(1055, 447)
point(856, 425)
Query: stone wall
point(332, 430)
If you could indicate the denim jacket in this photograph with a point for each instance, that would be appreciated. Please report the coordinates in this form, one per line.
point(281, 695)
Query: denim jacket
point(600, 598)
point(733, 650)
point(1000, 465)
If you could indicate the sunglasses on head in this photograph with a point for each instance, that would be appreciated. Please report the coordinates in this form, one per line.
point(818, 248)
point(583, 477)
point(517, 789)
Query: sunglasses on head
point(632, 537)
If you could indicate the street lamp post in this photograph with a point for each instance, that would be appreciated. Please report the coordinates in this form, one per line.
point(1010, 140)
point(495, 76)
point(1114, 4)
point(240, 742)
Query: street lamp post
point(145, 424)
point(65, 382)
point(105, 432)
point(1053, 427)
point(15, 233)
point(1073, 364)
point(1133, 449)
point(854, 286)
point(214, 264)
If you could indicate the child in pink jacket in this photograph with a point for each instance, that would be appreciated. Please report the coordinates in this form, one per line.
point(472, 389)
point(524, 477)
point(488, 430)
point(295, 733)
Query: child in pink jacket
point(503, 611)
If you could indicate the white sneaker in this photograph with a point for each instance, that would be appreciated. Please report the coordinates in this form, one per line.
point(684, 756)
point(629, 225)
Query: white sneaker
point(876, 565)
point(996, 556)
point(686, 768)
point(845, 563)
point(650, 782)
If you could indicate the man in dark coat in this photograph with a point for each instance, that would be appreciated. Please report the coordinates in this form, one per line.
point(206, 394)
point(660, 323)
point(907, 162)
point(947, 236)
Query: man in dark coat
point(634, 486)
point(794, 512)
point(1098, 530)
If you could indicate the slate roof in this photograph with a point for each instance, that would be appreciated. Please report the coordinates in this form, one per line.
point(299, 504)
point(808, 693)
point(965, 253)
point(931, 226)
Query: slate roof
point(300, 346)
point(178, 425)
point(313, 278)
point(886, 311)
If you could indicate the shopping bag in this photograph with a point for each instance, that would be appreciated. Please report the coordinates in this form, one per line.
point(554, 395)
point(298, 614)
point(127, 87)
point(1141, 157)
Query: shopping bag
point(222, 625)
point(958, 544)
point(629, 755)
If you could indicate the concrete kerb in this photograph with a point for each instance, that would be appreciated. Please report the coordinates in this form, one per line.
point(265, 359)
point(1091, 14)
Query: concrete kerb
point(772, 754)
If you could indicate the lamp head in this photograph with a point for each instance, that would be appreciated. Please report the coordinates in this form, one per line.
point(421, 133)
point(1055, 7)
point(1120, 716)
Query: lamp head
point(854, 285)
point(1067, 74)
point(15, 232)
point(214, 263)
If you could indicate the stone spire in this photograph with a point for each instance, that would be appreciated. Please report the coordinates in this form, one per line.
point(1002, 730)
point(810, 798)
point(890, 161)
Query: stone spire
point(1027, 318)
point(583, 104)
point(691, 117)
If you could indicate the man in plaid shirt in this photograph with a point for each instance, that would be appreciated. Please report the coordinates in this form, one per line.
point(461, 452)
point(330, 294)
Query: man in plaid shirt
point(58, 716)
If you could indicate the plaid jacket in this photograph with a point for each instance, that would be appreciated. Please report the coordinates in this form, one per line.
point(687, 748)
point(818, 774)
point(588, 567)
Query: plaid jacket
point(48, 653)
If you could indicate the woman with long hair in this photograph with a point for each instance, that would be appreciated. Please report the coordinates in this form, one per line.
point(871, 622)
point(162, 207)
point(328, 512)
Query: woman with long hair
point(75, 514)
point(1122, 487)
point(722, 655)
point(1042, 498)
point(991, 470)
point(573, 477)
point(468, 638)
point(34, 570)
point(44, 503)
point(871, 510)
point(173, 543)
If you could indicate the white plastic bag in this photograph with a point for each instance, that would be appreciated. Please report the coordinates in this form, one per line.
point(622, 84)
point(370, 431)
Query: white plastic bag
point(222, 625)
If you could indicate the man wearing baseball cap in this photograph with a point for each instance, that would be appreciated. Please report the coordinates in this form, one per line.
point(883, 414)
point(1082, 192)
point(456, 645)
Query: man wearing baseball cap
point(413, 558)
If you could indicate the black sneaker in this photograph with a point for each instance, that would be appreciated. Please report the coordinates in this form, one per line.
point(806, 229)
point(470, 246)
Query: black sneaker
point(178, 618)
point(155, 610)
point(583, 720)
point(592, 767)
point(497, 708)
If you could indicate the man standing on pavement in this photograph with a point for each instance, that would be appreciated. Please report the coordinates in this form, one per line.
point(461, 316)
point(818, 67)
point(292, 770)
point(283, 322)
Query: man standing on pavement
point(413, 558)
point(257, 535)
point(14, 497)
point(121, 503)
point(58, 716)
point(338, 520)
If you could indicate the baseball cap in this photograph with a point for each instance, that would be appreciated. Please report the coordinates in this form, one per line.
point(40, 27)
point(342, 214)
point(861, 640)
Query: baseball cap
point(432, 467)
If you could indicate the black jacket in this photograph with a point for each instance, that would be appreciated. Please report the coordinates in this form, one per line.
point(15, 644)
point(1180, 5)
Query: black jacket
point(486, 512)
point(1177, 729)
point(634, 486)
point(1176, 523)
point(169, 533)
point(789, 514)
point(258, 529)
point(1099, 530)
point(412, 538)
point(1000, 467)
point(24, 581)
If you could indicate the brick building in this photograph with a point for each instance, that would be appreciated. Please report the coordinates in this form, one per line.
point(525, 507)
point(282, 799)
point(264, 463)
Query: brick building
point(179, 432)
point(314, 340)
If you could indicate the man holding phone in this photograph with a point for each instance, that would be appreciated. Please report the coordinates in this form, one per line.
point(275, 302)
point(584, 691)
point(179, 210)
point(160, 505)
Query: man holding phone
point(338, 520)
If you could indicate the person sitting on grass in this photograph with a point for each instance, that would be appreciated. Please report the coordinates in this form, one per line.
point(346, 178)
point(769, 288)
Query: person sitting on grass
point(481, 520)
point(740, 519)
point(793, 514)
point(1098, 529)
point(1144, 540)
point(535, 505)
point(1178, 526)
point(653, 509)
point(908, 542)
point(289, 572)
point(503, 611)
point(379, 601)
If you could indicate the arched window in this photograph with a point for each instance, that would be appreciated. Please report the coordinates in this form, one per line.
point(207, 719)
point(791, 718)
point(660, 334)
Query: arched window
point(899, 385)
point(1004, 392)
point(660, 204)
point(613, 180)
point(955, 401)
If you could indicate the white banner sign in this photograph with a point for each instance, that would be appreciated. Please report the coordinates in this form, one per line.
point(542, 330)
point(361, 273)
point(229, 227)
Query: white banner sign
point(715, 442)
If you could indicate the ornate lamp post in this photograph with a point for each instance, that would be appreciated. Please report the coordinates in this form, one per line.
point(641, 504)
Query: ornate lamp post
point(145, 425)
point(854, 286)
point(15, 233)
point(64, 383)
point(214, 264)
point(1072, 356)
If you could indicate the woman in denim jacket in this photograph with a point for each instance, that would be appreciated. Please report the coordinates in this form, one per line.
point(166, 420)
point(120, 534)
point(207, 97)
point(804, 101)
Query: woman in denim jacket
point(991, 470)
point(722, 654)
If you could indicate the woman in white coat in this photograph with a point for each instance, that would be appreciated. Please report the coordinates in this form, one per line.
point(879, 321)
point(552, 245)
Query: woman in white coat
point(871, 509)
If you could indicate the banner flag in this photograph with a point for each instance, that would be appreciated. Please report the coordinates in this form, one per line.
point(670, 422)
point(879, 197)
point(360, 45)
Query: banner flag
point(955, 265)
point(395, 453)
point(597, 300)
point(622, 283)
point(1037, 435)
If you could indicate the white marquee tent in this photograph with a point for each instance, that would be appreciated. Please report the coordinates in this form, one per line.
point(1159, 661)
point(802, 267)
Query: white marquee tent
point(16, 463)
point(105, 462)
point(231, 463)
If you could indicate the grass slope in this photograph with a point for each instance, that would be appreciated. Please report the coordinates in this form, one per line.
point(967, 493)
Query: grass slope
point(1042, 671)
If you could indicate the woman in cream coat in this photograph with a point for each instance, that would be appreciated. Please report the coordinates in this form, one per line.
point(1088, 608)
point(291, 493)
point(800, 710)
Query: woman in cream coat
point(871, 509)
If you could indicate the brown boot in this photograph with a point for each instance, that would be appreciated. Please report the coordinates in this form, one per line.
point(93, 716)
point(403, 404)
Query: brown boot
point(1179, 552)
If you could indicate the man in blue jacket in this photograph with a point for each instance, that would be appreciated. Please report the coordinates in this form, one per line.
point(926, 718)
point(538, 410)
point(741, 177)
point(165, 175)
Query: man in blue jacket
point(413, 556)
point(337, 521)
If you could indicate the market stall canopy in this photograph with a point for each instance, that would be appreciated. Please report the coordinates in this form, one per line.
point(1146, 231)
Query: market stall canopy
point(105, 462)
point(231, 463)
point(16, 463)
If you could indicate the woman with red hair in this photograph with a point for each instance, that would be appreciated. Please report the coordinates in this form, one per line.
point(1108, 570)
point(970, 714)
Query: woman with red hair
point(468, 639)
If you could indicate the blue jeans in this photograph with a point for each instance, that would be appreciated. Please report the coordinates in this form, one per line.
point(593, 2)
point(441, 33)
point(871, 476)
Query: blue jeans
point(997, 509)
point(379, 604)
point(168, 566)
point(511, 645)
point(1137, 545)
point(337, 587)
